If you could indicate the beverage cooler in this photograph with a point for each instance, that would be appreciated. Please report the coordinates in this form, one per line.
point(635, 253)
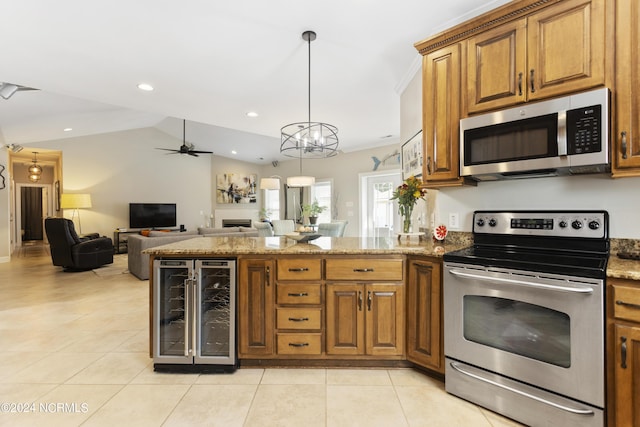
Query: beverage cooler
point(194, 315)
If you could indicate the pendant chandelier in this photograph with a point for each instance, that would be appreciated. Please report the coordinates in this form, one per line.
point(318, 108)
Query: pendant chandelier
point(309, 139)
point(35, 170)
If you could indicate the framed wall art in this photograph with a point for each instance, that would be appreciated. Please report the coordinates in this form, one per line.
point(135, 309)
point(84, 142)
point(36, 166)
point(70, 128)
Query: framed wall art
point(236, 188)
point(412, 156)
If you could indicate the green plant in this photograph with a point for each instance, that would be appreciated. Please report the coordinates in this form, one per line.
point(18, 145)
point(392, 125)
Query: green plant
point(313, 209)
point(264, 213)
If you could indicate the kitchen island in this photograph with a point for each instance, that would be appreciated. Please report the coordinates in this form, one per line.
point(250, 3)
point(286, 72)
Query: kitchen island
point(335, 301)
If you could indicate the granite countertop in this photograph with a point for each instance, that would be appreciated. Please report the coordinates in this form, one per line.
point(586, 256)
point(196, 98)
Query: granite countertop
point(206, 246)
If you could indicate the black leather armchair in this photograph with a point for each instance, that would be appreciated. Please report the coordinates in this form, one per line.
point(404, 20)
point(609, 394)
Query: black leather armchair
point(73, 252)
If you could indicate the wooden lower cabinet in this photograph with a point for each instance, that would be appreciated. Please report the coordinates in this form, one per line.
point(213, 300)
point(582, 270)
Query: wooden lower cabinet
point(256, 307)
point(623, 346)
point(425, 340)
point(365, 319)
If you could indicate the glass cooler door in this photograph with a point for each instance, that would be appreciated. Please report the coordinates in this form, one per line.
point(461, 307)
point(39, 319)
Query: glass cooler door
point(172, 311)
point(216, 300)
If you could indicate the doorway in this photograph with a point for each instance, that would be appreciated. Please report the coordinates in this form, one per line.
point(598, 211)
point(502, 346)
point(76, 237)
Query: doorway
point(33, 204)
point(379, 217)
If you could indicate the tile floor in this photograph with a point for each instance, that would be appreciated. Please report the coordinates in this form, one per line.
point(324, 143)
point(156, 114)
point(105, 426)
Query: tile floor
point(73, 349)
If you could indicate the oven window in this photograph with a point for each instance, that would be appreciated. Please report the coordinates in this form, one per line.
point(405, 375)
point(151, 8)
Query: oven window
point(517, 327)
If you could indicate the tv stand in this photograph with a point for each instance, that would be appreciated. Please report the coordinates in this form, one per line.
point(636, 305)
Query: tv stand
point(120, 237)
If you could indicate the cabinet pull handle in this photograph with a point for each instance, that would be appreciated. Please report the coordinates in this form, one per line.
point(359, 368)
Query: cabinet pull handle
point(363, 270)
point(298, 270)
point(298, 319)
point(428, 165)
point(369, 300)
point(532, 81)
point(624, 144)
point(520, 84)
point(267, 275)
point(623, 352)
point(298, 344)
point(301, 294)
point(627, 304)
point(359, 300)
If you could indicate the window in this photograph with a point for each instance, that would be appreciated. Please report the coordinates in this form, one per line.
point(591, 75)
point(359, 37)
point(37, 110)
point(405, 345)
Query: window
point(321, 191)
point(272, 203)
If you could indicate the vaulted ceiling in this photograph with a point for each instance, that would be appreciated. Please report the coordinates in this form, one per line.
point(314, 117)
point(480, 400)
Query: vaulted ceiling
point(211, 62)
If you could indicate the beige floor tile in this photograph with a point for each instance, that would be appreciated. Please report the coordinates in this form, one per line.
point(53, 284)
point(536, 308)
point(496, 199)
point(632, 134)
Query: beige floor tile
point(139, 342)
point(429, 406)
point(213, 405)
point(358, 377)
point(288, 405)
point(112, 368)
point(149, 376)
point(67, 405)
point(413, 377)
point(139, 405)
point(56, 368)
point(369, 406)
point(294, 376)
point(89, 341)
point(498, 420)
point(19, 398)
point(248, 376)
point(13, 362)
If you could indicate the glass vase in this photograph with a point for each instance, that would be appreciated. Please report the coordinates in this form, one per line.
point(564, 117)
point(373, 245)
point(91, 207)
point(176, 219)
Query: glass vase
point(406, 224)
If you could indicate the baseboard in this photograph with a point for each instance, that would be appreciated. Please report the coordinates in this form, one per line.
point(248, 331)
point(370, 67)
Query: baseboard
point(5, 259)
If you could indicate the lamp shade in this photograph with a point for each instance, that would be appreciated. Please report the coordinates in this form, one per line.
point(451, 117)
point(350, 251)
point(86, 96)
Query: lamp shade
point(75, 201)
point(301, 181)
point(269, 184)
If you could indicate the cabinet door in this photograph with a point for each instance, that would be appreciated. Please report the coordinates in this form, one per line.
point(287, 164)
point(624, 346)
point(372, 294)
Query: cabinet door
point(627, 376)
point(256, 307)
point(345, 319)
point(441, 116)
point(626, 139)
point(424, 315)
point(566, 48)
point(496, 63)
point(384, 319)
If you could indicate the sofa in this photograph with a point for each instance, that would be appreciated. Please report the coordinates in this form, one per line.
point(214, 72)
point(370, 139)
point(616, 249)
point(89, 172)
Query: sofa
point(136, 243)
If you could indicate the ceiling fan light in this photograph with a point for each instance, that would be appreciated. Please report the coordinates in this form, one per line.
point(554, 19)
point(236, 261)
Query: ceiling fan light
point(7, 90)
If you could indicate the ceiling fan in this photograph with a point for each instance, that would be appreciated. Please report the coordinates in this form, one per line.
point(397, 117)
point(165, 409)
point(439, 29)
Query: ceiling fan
point(185, 148)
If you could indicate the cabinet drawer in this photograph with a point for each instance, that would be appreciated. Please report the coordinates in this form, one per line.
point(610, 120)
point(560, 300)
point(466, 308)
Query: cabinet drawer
point(626, 303)
point(364, 269)
point(299, 318)
point(298, 293)
point(300, 343)
point(300, 269)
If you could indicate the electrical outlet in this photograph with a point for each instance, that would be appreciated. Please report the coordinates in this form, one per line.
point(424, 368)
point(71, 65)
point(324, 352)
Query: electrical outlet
point(454, 220)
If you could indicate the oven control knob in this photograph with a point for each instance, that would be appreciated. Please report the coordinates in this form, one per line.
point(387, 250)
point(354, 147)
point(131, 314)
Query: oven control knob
point(493, 222)
point(480, 222)
point(577, 224)
point(594, 225)
point(563, 224)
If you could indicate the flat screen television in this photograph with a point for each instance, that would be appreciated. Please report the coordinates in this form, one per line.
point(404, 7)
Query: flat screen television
point(152, 215)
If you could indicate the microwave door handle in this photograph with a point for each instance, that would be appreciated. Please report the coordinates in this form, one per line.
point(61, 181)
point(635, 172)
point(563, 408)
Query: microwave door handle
point(578, 290)
point(562, 133)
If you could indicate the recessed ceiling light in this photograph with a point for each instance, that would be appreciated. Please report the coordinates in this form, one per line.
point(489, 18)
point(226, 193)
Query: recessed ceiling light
point(67, 129)
point(145, 86)
point(234, 152)
point(252, 114)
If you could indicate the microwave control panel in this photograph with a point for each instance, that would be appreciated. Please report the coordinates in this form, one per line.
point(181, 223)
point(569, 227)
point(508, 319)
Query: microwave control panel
point(584, 130)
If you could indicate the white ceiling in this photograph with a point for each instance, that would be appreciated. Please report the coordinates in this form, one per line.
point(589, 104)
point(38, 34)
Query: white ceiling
point(212, 61)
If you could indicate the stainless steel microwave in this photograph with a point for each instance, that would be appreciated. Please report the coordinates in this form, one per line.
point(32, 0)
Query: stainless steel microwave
point(562, 136)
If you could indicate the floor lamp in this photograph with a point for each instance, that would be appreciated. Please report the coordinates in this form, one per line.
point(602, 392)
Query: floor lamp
point(75, 202)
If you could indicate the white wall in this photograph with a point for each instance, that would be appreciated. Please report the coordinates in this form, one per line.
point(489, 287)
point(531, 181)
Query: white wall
point(122, 167)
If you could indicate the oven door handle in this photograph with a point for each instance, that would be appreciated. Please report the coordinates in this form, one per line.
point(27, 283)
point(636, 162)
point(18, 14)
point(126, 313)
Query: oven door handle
point(578, 290)
point(574, 410)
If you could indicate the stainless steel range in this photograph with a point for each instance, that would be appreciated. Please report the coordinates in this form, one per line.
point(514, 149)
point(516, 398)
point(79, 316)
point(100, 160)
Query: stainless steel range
point(524, 316)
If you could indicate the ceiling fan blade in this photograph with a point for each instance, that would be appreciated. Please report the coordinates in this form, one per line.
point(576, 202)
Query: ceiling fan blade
point(168, 149)
point(200, 152)
point(192, 153)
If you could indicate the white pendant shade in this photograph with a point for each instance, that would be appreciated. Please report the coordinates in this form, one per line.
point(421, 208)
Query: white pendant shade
point(269, 184)
point(300, 181)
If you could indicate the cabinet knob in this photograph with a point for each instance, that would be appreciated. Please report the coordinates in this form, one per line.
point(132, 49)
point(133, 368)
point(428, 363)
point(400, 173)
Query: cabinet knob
point(520, 84)
point(298, 270)
point(623, 352)
point(532, 80)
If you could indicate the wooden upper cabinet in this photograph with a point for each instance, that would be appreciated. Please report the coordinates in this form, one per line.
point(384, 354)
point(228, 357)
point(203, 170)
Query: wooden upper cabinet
point(625, 157)
point(441, 116)
point(496, 61)
point(556, 51)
